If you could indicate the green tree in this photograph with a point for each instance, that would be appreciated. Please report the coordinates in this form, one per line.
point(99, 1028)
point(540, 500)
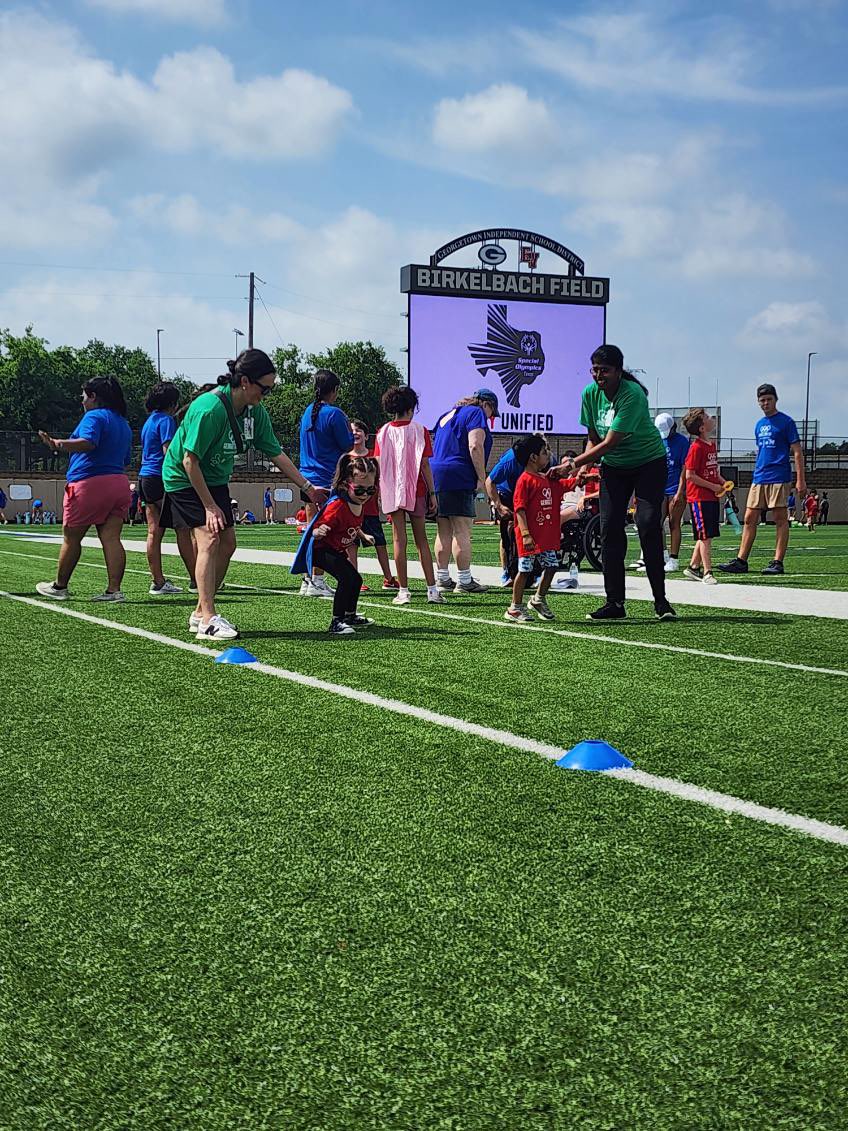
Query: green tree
point(39, 387)
point(366, 372)
point(133, 368)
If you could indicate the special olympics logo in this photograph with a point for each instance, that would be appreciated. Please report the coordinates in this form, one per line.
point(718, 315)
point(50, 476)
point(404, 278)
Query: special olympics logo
point(515, 355)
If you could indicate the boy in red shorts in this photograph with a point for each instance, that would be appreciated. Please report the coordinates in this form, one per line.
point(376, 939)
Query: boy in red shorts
point(811, 509)
point(703, 485)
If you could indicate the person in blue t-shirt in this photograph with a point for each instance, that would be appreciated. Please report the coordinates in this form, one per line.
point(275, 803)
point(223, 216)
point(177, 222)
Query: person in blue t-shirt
point(3, 501)
point(777, 439)
point(325, 436)
point(98, 490)
point(674, 503)
point(268, 506)
point(462, 441)
point(157, 432)
point(500, 484)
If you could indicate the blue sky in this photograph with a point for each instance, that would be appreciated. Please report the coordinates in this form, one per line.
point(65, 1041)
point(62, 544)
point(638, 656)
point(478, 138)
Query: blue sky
point(697, 159)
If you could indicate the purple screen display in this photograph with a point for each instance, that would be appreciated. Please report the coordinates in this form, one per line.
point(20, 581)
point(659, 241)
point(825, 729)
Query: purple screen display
point(534, 355)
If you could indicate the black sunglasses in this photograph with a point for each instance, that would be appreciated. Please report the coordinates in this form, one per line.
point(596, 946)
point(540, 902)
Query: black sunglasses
point(363, 492)
point(266, 389)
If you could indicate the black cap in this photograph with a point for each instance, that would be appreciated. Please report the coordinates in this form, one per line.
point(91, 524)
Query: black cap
point(766, 390)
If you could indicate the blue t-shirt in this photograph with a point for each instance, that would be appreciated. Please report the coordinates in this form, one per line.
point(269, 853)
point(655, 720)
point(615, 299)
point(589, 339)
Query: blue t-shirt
point(774, 436)
point(112, 439)
point(504, 475)
point(158, 430)
point(321, 447)
point(676, 451)
point(453, 469)
point(2, 498)
point(266, 499)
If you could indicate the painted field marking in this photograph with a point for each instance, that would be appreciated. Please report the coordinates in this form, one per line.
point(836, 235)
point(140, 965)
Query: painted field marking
point(414, 610)
point(819, 830)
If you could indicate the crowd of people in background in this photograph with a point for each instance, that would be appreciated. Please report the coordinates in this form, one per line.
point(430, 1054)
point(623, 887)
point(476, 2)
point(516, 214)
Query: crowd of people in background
point(633, 468)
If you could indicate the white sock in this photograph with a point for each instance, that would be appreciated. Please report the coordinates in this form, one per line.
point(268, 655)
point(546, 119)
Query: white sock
point(432, 590)
point(443, 575)
point(403, 590)
point(465, 577)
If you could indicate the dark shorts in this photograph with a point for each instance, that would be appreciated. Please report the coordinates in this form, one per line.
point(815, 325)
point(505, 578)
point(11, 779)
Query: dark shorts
point(457, 504)
point(372, 525)
point(183, 509)
point(705, 520)
point(151, 488)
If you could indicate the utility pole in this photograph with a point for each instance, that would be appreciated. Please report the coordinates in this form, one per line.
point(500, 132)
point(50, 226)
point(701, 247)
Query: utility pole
point(253, 280)
point(158, 355)
point(810, 356)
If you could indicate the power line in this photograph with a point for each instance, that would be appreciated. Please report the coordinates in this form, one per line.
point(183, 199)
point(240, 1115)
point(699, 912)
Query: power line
point(336, 305)
point(273, 323)
point(123, 270)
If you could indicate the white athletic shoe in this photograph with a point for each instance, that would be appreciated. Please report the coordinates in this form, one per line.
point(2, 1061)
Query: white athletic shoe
point(116, 598)
point(638, 564)
point(313, 590)
point(708, 579)
point(403, 598)
point(218, 628)
point(304, 586)
point(49, 589)
point(166, 589)
point(320, 582)
point(672, 565)
point(194, 622)
point(435, 598)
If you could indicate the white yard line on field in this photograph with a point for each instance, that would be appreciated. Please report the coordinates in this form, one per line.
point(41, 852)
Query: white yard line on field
point(820, 830)
point(509, 626)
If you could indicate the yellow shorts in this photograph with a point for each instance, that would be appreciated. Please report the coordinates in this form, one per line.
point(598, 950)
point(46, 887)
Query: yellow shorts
point(767, 496)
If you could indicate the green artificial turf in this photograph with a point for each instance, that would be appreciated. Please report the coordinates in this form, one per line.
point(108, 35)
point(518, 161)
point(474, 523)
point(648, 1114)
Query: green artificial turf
point(234, 902)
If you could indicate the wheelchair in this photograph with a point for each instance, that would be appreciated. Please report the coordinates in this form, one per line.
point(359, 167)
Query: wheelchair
point(581, 538)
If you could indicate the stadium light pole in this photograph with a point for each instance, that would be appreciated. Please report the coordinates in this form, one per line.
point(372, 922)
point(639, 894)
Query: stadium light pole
point(238, 334)
point(810, 356)
point(159, 353)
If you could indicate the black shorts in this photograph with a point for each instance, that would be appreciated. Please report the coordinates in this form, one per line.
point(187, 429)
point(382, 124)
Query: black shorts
point(183, 509)
point(151, 488)
point(371, 525)
point(705, 520)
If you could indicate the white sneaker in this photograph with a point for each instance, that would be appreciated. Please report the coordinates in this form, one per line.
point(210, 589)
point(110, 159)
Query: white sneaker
point(321, 583)
point(304, 587)
point(116, 598)
point(313, 590)
point(218, 628)
point(194, 622)
point(166, 589)
point(403, 598)
point(708, 579)
point(638, 564)
point(672, 565)
point(435, 598)
point(49, 589)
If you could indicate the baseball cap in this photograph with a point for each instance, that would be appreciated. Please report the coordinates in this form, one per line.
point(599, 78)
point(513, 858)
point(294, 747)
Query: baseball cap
point(488, 395)
point(664, 424)
point(766, 390)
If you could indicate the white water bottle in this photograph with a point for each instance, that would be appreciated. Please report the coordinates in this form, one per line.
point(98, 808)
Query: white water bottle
point(573, 574)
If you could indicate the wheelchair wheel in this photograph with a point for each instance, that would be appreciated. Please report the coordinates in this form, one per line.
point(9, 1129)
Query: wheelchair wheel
point(592, 543)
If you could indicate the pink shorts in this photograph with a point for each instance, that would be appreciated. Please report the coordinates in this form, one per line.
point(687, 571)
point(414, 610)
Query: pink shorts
point(420, 508)
point(89, 502)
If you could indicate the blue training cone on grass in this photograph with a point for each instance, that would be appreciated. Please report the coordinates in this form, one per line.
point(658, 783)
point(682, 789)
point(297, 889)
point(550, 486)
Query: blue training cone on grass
point(592, 754)
point(235, 656)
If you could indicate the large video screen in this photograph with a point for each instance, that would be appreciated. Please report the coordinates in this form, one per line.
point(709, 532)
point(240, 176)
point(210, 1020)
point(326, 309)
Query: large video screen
point(534, 355)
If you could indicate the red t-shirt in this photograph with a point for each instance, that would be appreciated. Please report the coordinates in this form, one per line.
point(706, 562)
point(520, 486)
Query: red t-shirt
point(540, 499)
point(592, 485)
point(703, 460)
point(421, 486)
point(811, 504)
point(372, 506)
point(344, 526)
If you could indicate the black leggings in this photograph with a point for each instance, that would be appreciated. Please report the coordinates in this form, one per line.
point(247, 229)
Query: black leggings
point(349, 582)
point(507, 526)
point(648, 480)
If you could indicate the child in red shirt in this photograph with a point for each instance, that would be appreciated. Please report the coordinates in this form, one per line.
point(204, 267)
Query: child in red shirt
point(703, 485)
point(338, 527)
point(811, 509)
point(371, 523)
point(536, 505)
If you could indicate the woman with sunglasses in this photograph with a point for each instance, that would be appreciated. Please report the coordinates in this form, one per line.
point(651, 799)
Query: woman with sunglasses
point(623, 436)
point(197, 468)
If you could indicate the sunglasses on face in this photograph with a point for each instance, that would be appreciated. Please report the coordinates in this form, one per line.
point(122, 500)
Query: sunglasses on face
point(266, 389)
point(362, 492)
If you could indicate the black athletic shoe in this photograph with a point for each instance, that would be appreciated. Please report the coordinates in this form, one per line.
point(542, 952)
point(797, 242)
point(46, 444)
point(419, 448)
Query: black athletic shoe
point(339, 628)
point(738, 565)
point(664, 611)
point(612, 610)
point(774, 569)
point(356, 621)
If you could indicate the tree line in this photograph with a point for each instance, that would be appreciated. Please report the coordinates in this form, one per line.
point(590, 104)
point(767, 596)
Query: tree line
point(40, 384)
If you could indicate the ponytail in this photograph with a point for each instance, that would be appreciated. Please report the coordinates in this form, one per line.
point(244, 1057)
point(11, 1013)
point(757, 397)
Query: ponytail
point(626, 375)
point(108, 392)
point(251, 364)
point(326, 382)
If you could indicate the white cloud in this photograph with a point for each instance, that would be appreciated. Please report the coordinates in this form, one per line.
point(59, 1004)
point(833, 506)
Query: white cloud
point(206, 13)
point(794, 325)
point(503, 117)
point(184, 215)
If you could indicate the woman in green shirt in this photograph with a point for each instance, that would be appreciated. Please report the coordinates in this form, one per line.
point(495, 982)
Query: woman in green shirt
point(197, 468)
point(623, 436)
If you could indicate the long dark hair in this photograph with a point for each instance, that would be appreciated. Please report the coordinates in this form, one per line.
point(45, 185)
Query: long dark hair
point(326, 382)
point(349, 464)
point(108, 392)
point(163, 395)
point(612, 355)
point(251, 364)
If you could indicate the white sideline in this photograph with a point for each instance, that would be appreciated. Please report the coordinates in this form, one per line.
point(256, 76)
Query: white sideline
point(603, 638)
point(819, 830)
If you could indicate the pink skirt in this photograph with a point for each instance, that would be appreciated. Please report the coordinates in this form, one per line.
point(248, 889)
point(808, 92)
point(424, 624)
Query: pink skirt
point(89, 502)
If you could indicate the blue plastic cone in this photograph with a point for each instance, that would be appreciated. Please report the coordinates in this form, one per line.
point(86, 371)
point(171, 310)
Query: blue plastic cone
point(235, 656)
point(592, 754)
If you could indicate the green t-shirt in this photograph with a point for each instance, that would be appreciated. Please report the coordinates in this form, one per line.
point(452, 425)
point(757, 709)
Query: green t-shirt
point(205, 430)
point(628, 413)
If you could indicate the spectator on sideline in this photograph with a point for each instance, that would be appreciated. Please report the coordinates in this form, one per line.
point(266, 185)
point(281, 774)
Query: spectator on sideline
point(325, 436)
point(623, 435)
point(790, 507)
point(824, 508)
point(3, 501)
point(197, 469)
point(500, 485)
point(403, 448)
point(703, 486)
point(133, 510)
point(462, 441)
point(268, 506)
point(811, 509)
point(156, 434)
point(371, 523)
point(97, 492)
point(674, 503)
point(777, 438)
